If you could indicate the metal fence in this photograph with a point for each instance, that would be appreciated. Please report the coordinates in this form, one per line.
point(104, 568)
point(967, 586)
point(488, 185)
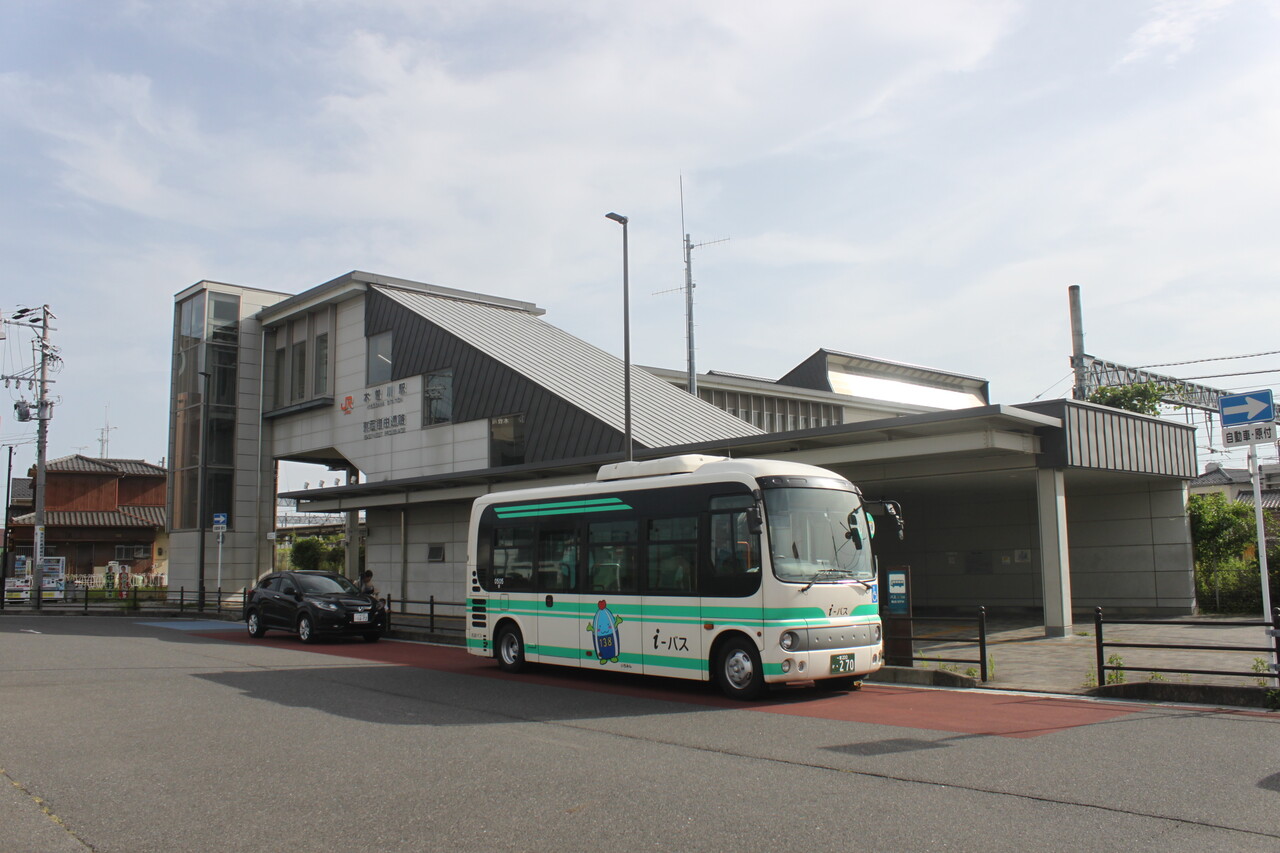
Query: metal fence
point(433, 615)
point(1113, 664)
point(907, 642)
point(437, 617)
point(87, 599)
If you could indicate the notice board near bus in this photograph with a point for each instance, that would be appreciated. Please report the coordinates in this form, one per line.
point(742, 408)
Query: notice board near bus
point(895, 613)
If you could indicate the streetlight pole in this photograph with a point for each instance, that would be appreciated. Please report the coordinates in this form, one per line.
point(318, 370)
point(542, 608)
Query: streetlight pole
point(202, 477)
point(626, 333)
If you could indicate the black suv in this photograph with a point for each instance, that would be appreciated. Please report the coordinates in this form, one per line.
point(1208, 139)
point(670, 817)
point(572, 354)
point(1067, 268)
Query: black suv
point(313, 603)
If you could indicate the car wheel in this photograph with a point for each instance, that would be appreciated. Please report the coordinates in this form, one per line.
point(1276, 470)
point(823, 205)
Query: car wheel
point(372, 637)
point(738, 670)
point(256, 628)
point(843, 683)
point(306, 629)
point(510, 649)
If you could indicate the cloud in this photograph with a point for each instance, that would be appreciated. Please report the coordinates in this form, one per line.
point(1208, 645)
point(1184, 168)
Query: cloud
point(1174, 28)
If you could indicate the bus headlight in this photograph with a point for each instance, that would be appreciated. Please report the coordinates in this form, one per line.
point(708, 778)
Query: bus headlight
point(875, 634)
point(788, 640)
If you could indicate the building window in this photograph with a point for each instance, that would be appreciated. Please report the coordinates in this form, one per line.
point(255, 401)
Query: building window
point(281, 376)
point(133, 552)
point(437, 397)
point(435, 553)
point(506, 440)
point(298, 366)
point(320, 373)
point(206, 340)
point(379, 366)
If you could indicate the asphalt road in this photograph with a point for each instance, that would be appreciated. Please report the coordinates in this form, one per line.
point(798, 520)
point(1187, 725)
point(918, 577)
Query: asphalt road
point(138, 735)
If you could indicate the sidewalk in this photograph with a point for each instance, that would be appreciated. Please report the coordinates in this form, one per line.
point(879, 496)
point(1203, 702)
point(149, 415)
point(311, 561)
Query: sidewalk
point(1021, 657)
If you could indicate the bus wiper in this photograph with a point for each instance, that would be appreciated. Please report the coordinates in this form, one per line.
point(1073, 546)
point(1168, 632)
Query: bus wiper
point(819, 574)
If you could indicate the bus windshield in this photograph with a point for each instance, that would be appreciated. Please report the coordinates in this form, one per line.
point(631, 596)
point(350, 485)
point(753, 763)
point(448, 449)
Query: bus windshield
point(810, 536)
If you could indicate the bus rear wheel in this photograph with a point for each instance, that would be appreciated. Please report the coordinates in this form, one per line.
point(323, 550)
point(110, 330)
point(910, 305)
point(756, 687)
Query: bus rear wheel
point(510, 648)
point(738, 670)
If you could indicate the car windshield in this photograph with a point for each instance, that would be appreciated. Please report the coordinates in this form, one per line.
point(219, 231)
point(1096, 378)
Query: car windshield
point(809, 535)
point(325, 584)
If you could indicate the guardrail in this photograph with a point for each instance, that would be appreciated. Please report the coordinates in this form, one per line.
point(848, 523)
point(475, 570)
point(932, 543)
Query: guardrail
point(1104, 666)
point(913, 638)
point(442, 617)
point(85, 600)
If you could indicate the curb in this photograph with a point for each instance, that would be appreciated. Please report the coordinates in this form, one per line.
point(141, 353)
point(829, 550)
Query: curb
point(1196, 694)
point(926, 677)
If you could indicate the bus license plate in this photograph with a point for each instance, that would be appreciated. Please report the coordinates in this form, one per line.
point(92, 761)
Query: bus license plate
point(360, 617)
point(842, 663)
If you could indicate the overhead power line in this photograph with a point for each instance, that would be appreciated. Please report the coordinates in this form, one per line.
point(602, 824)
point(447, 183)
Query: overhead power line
point(1203, 360)
point(1242, 373)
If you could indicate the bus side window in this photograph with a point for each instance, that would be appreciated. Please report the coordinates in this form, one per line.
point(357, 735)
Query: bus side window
point(733, 566)
point(512, 560)
point(672, 553)
point(557, 559)
point(611, 556)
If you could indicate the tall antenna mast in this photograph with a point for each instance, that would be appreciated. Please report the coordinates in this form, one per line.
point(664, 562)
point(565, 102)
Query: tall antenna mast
point(104, 434)
point(691, 379)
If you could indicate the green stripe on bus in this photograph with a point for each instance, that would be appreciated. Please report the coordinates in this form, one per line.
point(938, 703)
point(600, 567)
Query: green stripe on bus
point(561, 508)
point(670, 662)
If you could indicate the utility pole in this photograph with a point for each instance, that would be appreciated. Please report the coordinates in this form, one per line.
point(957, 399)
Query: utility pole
point(48, 355)
point(8, 503)
point(44, 410)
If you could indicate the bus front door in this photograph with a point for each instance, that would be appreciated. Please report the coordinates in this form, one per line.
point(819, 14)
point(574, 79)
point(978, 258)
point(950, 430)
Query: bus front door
point(561, 624)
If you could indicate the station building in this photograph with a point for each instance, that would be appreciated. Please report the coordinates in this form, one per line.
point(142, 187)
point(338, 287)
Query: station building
point(426, 397)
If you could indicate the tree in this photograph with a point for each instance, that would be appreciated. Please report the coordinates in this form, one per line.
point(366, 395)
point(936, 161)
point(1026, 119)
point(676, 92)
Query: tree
point(1141, 397)
point(1220, 529)
point(1224, 538)
point(307, 554)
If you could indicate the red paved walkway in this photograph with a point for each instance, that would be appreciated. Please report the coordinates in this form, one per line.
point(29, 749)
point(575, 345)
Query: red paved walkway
point(964, 712)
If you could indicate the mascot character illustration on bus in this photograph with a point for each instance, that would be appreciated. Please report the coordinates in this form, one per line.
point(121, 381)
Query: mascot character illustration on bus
point(604, 627)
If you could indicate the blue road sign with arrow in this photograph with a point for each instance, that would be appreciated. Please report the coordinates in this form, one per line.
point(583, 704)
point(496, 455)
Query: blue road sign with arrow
point(1255, 407)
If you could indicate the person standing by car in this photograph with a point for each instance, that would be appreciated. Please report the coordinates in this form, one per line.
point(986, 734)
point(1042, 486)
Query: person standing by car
point(366, 584)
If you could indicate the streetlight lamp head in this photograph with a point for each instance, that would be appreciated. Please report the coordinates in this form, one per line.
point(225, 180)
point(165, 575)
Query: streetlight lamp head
point(616, 217)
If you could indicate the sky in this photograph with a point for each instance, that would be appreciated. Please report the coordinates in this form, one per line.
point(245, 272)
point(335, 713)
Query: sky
point(919, 181)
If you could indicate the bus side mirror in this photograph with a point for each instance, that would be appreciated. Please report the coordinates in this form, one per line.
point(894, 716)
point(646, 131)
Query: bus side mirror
point(895, 512)
point(754, 523)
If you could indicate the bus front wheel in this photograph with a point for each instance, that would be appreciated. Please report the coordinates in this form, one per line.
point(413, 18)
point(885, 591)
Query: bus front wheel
point(510, 648)
point(738, 670)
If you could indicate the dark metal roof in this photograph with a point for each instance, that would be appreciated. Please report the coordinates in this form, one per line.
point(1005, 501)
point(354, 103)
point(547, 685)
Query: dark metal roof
point(126, 516)
point(78, 464)
point(1270, 498)
point(586, 377)
point(1221, 477)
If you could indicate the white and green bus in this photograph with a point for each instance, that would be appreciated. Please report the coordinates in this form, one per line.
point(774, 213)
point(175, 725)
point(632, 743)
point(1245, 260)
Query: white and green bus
point(748, 572)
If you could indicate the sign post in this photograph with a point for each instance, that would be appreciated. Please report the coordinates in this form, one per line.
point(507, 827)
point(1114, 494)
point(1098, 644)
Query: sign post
point(219, 527)
point(1250, 419)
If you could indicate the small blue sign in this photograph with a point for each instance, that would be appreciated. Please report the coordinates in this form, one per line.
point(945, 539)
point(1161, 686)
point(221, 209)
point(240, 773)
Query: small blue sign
point(219, 518)
point(1255, 407)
